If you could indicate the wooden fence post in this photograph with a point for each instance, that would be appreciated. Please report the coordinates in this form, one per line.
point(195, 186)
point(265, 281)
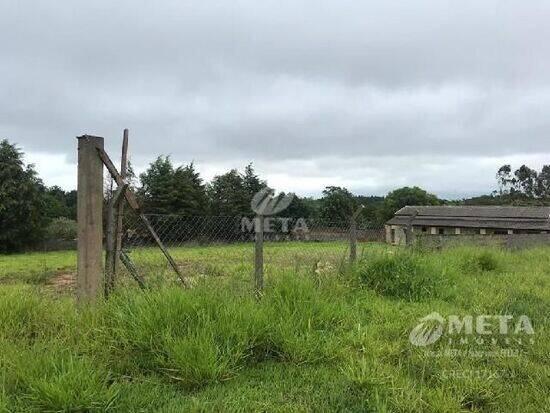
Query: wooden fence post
point(120, 209)
point(353, 240)
point(132, 201)
point(353, 235)
point(409, 235)
point(90, 219)
point(259, 256)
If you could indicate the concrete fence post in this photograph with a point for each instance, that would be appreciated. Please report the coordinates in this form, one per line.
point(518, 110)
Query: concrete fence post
point(90, 219)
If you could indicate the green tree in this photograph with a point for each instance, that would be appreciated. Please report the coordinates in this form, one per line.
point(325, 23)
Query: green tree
point(22, 201)
point(251, 182)
point(543, 182)
point(506, 181)
point(57, 203)
point(228, 195)
point(337, 205)
point(168, 190)
point(189, 192)
point(526, 179)
point(402, 197)
point(300, 208)
point(370, 214)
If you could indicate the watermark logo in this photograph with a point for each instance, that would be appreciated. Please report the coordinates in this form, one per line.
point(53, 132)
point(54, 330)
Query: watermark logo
point(428, 331)
point(266, 203)
point(482, 329)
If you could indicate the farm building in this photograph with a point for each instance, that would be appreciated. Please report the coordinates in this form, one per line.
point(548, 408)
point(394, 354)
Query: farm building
point(467, 220)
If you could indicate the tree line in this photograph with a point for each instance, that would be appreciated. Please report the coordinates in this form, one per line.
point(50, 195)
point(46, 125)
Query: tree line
point(30, 211)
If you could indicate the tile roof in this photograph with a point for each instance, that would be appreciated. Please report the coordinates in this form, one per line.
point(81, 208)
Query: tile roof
point(506, 217)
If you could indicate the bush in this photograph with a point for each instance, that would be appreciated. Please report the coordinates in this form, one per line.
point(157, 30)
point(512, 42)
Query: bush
point(402, 275)
point(61, 229)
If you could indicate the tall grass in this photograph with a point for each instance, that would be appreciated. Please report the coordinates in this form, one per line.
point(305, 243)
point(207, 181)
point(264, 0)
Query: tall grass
point(404, 275)
point(336, 342)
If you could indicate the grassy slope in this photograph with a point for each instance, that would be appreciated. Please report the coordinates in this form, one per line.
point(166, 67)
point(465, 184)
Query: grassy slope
point(318, 341)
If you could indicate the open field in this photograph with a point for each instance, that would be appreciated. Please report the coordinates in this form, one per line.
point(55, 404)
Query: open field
point(325, 337)
point(224, 259)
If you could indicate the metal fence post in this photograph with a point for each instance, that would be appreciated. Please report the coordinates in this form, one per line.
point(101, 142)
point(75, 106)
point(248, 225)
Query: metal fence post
point(90, 219)
point(259, 256)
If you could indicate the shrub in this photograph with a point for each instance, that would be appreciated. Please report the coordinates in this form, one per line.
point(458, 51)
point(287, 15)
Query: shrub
point(403, 275)
point(61, 229)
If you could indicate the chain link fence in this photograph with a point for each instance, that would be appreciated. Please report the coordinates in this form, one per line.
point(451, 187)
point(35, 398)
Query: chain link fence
point(224, 246)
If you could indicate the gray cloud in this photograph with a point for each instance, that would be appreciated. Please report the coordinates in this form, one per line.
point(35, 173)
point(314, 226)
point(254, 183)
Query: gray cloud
point(317, 87)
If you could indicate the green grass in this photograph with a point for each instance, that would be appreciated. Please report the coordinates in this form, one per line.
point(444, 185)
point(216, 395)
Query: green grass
point(324, 337)
point(35, 267)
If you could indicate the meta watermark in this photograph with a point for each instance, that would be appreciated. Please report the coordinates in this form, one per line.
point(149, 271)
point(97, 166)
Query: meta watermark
point(266, 204)
point(504, 330)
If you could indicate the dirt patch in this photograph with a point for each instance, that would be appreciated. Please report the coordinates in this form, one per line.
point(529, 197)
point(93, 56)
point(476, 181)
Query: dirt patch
point(62, 282)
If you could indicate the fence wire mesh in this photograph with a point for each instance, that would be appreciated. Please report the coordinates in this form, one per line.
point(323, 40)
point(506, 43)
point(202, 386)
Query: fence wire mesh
point(219, 246)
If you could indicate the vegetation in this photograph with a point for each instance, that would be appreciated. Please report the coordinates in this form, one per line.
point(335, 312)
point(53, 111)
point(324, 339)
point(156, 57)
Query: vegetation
point(22, 201)
point(402, 197)
point(335, 339)
point(61, 229)
point(31, 212)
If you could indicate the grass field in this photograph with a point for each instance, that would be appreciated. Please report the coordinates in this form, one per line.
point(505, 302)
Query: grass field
point(324, 337)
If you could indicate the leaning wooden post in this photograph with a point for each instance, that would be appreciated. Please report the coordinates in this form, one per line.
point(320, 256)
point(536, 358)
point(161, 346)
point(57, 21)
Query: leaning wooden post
point(111, 239)
point(120, 209)
point(259, 256)
point(353, 235)
point(90, 219)
point(132, 202)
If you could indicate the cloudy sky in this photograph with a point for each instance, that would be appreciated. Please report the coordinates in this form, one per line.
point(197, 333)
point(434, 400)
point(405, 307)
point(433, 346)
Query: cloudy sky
point(367, 95)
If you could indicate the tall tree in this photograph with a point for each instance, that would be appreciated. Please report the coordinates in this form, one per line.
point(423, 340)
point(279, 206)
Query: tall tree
point(57, 203)
point(22, 201)
point(526, 179)
point(543, 182)
point(402, 197)
point(506, 181)
point(168, 190)
point(300, 208)
point(251, 181)
point(337, 205)
point(228, 195)
point(189, 191)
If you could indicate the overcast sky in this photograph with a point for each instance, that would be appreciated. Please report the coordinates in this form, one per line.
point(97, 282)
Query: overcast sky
point(367, 95)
